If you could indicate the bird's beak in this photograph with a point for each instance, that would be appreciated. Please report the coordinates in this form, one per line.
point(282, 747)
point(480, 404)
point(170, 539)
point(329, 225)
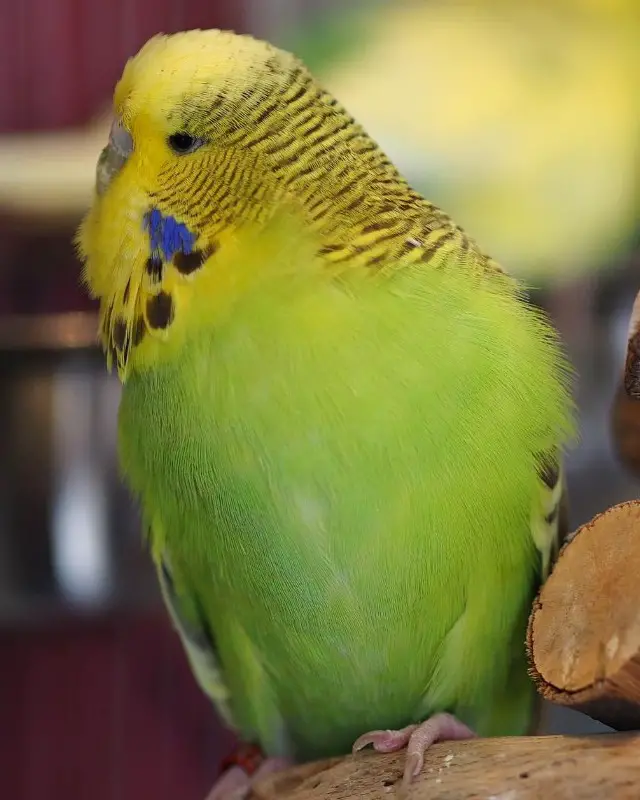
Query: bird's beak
point(114, 156)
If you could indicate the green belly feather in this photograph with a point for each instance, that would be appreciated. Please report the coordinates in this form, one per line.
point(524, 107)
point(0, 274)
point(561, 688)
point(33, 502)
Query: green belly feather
point(345, 476)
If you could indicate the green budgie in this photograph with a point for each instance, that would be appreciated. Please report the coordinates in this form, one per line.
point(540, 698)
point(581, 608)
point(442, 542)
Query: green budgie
point(343, 420)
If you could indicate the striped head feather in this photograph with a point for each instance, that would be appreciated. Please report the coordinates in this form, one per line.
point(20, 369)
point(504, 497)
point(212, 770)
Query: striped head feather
point(213, 134)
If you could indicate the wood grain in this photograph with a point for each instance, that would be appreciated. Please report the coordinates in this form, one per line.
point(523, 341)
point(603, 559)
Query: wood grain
point(515, 768)
point(584, 630)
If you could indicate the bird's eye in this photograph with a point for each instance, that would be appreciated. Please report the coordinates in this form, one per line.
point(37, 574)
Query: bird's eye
point(182, 143)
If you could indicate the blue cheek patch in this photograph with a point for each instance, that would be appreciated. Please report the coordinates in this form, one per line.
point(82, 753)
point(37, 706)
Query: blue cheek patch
point(167, 236)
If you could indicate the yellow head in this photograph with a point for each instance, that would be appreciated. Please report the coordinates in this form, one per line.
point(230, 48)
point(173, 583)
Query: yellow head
point(184, 98)
point(213, 133)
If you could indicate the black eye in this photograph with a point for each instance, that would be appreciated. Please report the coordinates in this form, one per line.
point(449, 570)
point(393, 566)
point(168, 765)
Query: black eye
point(184, 143)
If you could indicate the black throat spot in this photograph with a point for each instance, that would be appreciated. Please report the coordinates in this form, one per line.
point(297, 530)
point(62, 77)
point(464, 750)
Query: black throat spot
point(160, 311)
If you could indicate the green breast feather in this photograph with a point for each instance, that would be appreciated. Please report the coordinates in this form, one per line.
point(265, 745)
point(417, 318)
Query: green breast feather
point(341, 479)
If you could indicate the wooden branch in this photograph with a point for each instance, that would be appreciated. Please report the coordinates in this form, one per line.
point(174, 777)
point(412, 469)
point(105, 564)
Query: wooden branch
point(584, 631)
point(626, 405)
point(632, 364)
point(514, 768)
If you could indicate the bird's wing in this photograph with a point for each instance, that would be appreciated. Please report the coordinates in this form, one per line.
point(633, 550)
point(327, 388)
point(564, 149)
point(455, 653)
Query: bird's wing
point(549, 522)
point(190, 621)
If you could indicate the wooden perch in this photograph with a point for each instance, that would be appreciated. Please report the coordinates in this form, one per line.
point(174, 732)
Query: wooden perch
point(515, 768)
point(626, 405)
point(584, 630)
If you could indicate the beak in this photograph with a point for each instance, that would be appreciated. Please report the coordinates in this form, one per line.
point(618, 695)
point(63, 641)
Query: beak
point(114, 156)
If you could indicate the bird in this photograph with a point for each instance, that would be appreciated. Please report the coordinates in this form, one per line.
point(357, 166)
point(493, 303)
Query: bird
point(344, 422)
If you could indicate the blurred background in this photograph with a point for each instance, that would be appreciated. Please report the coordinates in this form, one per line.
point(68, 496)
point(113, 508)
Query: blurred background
point(522, 120)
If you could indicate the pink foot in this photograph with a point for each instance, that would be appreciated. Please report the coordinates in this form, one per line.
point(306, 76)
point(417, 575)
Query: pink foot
point(235, 783)
point(418, 738)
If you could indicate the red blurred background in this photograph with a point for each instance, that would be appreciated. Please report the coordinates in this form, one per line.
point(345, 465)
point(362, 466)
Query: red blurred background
point(62, 57)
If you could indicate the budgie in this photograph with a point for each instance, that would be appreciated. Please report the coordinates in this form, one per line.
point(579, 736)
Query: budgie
point(343, 420)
